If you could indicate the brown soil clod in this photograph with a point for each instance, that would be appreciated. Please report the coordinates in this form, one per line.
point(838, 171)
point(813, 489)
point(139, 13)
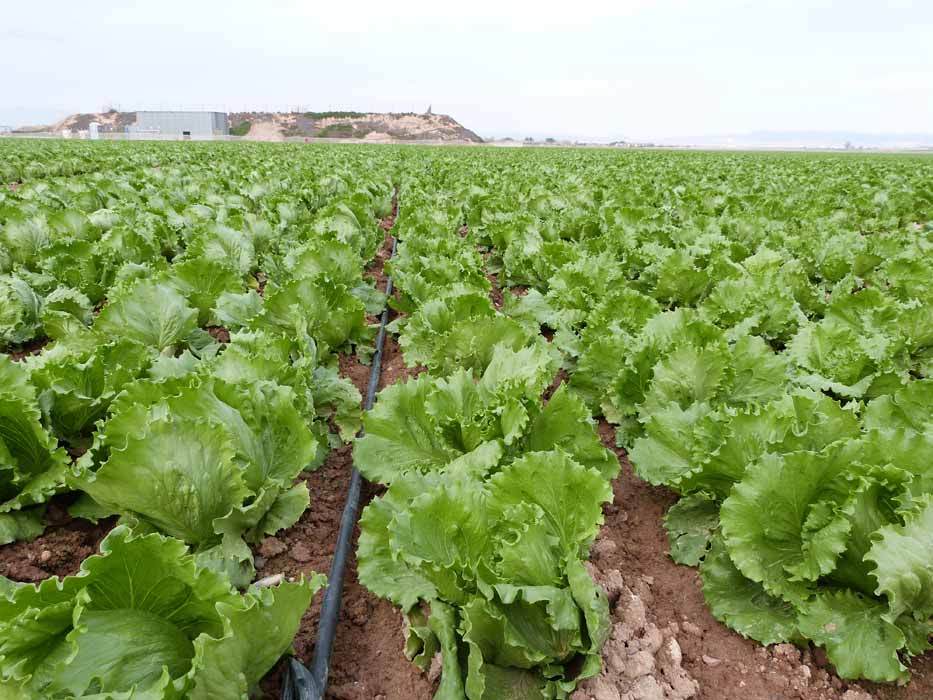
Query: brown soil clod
point(351, 368)
point(495, 294)
point(559, 379)
point(261, 281)
point(28, 349)
point(641, 661)
point(219, 333)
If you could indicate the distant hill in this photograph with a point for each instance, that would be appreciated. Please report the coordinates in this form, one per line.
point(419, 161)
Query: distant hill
point(109, 121)
point(369, 126)
point(277, 126)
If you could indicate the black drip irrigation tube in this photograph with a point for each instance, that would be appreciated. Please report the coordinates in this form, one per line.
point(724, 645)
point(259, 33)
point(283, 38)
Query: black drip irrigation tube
point(302, 683)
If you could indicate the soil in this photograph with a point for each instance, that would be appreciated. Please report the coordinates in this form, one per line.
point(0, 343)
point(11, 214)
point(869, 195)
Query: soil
point(33, 347)
point(219, 333)
point(265, 130)
point(919, 688)
point(367, 661)
point(640, 659)
point(351, 368)
point(559, 379)
point(394, 368)
point(495, 294)
point(377, 272)
point(58, 551)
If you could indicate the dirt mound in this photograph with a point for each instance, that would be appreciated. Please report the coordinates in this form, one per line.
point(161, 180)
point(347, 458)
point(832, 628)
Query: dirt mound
point(640, 660)
point(109, 121)
point(367, 126)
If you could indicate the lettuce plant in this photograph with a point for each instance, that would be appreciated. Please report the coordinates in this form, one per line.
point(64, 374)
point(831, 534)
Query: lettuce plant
point(20, 311)
point(489, 570)
point(142, 620)
point(492, 504)
point(204, 461)
point(426, 423)
point(32, 466)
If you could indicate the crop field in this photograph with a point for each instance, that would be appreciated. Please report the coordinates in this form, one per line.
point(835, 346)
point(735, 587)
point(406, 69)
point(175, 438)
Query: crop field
point(650, 425)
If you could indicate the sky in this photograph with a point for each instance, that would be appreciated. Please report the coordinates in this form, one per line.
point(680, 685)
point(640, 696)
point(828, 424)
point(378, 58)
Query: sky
point(634, 69)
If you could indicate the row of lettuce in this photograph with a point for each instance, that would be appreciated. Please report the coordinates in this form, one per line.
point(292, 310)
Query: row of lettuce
point(189, 311)
point(759, 328)
point(493, 495)
point(33, 160)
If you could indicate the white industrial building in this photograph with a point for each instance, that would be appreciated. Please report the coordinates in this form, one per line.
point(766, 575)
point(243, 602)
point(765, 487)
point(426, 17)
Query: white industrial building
point(194, 125)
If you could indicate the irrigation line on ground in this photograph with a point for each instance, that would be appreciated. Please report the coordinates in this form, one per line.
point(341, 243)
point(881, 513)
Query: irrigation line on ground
point(300, 682)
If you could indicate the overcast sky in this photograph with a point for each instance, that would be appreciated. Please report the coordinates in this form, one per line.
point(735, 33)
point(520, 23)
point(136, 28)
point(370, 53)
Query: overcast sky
point(632, 68)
